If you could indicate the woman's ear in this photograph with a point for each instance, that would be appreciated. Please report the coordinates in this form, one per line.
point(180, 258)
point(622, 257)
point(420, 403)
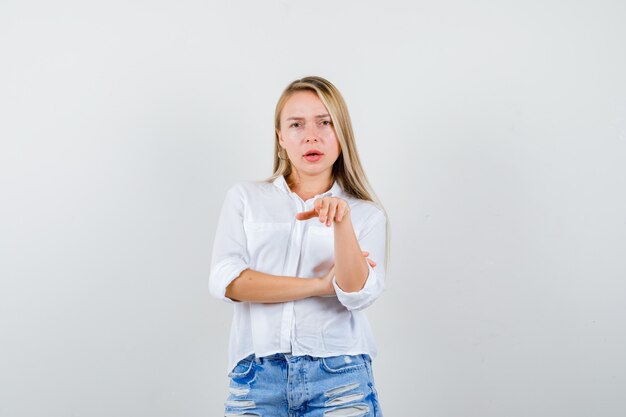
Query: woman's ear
point(280, 137)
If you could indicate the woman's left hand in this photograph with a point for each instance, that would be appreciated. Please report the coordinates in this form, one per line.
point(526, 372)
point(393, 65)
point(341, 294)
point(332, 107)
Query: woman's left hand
point(328, 209)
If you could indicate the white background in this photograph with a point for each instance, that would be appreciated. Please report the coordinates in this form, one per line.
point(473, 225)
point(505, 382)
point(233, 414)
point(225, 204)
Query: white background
point(494, 133)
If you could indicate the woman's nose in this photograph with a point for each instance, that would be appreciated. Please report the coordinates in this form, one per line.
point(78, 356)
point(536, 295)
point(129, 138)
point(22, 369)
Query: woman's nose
point(311, 133)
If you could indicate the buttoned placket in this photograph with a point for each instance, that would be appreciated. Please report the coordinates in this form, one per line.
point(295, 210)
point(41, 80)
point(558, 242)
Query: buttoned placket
point(292, 267)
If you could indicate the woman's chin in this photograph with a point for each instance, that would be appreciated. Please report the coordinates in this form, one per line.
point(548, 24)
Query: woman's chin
point(313, 170)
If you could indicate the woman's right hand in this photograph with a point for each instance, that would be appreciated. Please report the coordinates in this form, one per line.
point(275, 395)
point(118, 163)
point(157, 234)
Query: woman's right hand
point(326, 281)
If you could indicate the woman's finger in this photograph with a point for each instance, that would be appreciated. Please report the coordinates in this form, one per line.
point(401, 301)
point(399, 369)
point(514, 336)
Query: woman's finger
point(332, 209)
point(323, 209)
point(317, 205)
point(342, 211)
point(305, 215)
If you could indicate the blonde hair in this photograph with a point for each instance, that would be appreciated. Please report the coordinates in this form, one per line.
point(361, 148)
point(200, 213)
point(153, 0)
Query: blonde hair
point(347, 169)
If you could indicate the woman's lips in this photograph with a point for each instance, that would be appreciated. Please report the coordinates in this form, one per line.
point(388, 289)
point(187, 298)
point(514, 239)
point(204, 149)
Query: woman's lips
point(313, 157)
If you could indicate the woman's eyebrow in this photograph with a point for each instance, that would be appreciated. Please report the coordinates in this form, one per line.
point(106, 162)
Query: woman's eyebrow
point(319, 116)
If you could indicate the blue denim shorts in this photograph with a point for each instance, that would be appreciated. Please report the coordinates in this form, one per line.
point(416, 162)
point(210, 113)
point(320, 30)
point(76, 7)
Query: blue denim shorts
point(303, 386)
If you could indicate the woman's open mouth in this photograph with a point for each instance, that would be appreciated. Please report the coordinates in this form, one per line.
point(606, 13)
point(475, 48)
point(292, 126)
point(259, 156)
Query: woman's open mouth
point(313, 156)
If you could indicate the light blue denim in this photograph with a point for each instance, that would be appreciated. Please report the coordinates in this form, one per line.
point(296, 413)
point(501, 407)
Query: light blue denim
point(282, 385)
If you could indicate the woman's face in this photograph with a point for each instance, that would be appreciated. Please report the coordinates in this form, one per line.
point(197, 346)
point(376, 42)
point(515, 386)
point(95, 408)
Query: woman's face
point(307, 134)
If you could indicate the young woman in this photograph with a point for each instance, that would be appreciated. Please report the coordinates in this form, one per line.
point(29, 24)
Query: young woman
point(300, 256)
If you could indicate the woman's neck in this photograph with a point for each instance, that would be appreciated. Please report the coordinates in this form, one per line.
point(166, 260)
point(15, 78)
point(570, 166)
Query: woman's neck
point(309, 186)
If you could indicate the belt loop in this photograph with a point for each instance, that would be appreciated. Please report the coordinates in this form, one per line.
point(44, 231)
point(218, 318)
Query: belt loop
point(257, 359)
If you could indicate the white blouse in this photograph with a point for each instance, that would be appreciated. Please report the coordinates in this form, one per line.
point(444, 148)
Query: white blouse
point(257, 229)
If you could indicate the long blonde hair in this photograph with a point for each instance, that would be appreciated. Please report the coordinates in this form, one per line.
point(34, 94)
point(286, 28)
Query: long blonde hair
point(347, 169)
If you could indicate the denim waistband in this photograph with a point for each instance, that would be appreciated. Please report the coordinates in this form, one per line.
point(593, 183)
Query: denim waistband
point(276, 357)
point(288, 356)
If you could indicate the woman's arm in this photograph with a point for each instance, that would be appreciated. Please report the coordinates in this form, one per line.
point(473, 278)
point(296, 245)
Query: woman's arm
point(351, 269)
point(259, 287)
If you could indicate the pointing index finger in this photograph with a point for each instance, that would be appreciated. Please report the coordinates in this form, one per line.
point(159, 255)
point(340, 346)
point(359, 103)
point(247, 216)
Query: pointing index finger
point(305, 215)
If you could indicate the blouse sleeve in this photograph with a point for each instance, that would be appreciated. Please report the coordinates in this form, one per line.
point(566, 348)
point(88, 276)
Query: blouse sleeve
point(230, 256)
point(372, 240)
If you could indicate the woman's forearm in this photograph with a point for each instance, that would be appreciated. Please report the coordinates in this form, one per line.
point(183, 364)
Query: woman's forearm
point(258, 287)
point(350, 267)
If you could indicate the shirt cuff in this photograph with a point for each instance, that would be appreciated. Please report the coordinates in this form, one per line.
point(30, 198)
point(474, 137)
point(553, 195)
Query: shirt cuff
point(358, 300)
point(222, 276)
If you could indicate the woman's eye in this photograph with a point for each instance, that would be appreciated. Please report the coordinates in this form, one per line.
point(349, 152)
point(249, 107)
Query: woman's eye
point(326, 122)
point(295, 124)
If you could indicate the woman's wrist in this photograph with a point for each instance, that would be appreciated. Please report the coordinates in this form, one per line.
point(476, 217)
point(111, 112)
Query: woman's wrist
point(344, 223)
point(323, 286)
point(316, 286)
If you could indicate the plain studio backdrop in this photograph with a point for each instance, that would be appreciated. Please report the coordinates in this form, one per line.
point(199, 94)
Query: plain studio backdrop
point(493, 132)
